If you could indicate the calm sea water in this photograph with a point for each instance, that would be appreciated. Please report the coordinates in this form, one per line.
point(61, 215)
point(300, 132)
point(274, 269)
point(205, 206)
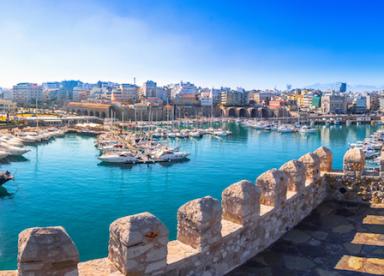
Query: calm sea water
point(63, 183)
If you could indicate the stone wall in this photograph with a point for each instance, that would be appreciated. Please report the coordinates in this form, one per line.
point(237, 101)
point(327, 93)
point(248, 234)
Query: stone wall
point(213, 237)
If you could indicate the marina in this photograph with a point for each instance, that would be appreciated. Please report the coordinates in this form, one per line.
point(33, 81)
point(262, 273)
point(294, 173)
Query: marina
point(88, 194)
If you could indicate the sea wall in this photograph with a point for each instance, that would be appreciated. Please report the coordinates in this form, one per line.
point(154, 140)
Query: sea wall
point(213, 237)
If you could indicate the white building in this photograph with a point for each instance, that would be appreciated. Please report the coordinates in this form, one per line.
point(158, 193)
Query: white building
point(129, 92)
point(27, 93)
point(206, 97)
point(333, 103)
point(183, 88)
point(80, 94)
point(149, 89)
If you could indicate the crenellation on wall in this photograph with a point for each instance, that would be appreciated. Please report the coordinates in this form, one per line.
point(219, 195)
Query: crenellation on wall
point(273, 185)
point(296, 175)
point(311, 162)
point(326, 158)
point(199, 222)
point(241, 202)
point(138, 244)
point(214, 238)
point(46, 251)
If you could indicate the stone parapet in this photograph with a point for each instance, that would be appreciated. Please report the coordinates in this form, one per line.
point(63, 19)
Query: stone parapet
point(326, 158)
point(296, 175)
point(199, 223)
point(138, 244)
point(273, 186)
point(46, 251)
point(311, 162)
point(241, 202)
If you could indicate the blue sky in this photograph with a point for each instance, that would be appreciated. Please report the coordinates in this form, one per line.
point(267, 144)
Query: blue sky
point(253, 44)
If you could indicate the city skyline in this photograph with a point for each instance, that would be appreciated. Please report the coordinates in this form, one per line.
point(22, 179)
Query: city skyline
point(211, 43)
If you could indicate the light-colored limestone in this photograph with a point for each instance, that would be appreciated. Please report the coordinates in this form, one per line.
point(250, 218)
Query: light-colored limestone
point(311, 162)
point(326, 158)
point(296, 172)
point(47, 251)
point(199, 222)
point(138, 244)
point(354, 162)
point(241, 202)
point(273, 186)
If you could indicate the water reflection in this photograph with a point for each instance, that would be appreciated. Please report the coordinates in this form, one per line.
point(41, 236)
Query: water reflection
point(4, 193)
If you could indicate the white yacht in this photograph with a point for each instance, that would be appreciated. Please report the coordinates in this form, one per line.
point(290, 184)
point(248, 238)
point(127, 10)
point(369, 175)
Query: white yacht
point(119, 157)
point(307, 129)
point(169, 155)
point(222, 132)
point(12, 150)
point(30, 137)
point(3, 154)
point(13, 141)
point(286, 129)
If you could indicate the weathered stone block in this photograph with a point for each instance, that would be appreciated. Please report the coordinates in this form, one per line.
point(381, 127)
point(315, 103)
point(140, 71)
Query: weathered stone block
point(46, 251)
point(326, 158)
point(241, 202)
point(199, 223)
point(312, 167)
point(296, 175)
point(138, 244)
point(273, 187)
point(354, 162)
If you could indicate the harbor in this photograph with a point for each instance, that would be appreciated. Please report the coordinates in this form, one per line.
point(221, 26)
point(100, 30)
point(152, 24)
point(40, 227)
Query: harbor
point(66, 172)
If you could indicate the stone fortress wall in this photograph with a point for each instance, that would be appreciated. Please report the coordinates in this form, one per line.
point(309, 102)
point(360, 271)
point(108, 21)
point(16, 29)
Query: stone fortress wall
point(213, 237)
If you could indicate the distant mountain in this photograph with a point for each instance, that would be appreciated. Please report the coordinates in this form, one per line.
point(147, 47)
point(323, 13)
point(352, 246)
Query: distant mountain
point(353, 87)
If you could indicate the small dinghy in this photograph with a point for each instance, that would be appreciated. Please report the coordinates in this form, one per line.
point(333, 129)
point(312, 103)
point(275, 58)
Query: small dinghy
point(5, 177)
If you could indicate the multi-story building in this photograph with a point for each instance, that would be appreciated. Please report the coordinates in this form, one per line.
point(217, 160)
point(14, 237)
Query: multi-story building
point(80, 94)
point(373, 101)
point(381, 104)
point(51, 85)
point(187, 99)
point(183, 88)
point(316, 102)
point(206, 98)
point(334, 103)
point(27, 93)
point(232, 98)
point(341, 87)
point(129, 92)
point(163, 93)
point(306, 101)
point(262, 97)
point(359, 104)
point(148, 89)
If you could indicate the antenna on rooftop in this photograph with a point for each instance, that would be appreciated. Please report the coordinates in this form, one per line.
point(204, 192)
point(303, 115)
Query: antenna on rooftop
point(134, 80)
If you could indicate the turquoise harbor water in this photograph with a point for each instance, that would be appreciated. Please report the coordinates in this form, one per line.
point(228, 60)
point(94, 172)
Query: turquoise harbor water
point(63, 183)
